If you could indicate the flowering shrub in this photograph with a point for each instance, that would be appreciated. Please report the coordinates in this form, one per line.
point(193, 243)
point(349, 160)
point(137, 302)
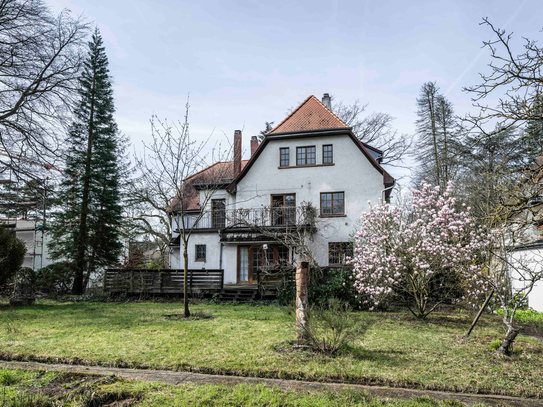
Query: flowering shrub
point(425, 256)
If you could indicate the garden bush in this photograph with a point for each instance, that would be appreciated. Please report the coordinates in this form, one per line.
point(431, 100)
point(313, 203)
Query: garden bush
point(329, 327)
point(12, 255)
point(56, 278)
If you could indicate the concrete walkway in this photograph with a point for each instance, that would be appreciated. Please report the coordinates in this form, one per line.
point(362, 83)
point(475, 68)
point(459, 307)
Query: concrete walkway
point(175, 378)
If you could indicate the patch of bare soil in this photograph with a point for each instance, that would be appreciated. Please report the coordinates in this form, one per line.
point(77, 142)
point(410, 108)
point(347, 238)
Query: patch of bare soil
point(84, 385)
point(193, 317)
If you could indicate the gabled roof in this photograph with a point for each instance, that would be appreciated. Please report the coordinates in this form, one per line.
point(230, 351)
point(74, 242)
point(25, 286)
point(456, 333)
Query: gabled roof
point(388, 181)
point(221, 172)
point(312, 114)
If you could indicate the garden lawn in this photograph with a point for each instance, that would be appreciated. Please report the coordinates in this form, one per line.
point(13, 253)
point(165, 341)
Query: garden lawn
point(396, 350)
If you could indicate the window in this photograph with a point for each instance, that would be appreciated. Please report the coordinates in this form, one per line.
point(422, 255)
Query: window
point(327, 154)
point(305, 155)
point(200, 252)
point(218, 213)
point(284, 160)
point(338, 253)
point(332, 203)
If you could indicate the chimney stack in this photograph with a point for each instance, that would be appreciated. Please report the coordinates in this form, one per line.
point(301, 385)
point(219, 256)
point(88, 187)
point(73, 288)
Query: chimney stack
point(254, 144)
point(237, 152)
point(326, 101)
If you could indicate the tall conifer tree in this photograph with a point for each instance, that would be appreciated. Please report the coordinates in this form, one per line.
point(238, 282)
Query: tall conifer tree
point(87, 228)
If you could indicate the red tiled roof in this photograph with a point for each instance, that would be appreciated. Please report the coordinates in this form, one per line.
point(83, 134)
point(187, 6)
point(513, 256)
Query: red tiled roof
point(215, 173)
point(310, 115)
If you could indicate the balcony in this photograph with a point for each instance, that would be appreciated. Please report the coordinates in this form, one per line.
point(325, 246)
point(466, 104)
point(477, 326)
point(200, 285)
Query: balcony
point(280, 217)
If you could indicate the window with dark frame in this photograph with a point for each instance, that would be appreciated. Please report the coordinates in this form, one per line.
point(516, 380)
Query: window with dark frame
point(332, 203)
point(218, 213)
point(327, 154)
point(306, 155)
point(284, 160)
point(338, 252)
point(200, 252)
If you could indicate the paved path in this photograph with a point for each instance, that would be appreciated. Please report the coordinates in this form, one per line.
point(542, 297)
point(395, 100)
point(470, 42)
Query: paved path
point(166, 376)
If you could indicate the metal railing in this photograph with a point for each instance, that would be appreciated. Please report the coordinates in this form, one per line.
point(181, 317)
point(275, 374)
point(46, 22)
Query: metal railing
point(267, 216)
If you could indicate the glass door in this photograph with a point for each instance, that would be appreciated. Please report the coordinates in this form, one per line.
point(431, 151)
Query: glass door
point(243, 264)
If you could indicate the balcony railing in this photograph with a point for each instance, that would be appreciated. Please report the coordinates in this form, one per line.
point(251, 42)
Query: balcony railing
point(268, 216)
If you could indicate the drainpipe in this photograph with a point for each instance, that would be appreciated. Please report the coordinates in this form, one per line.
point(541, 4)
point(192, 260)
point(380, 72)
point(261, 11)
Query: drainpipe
point(383, 194)
point(220, 255)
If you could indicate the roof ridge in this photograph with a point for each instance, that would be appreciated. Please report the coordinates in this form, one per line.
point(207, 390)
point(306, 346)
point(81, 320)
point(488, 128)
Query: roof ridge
point(311, 114)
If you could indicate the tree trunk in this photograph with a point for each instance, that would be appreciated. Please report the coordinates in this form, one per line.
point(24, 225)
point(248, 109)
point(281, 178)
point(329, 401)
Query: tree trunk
point(301, 300)
point(185, 277)
point(507, 342)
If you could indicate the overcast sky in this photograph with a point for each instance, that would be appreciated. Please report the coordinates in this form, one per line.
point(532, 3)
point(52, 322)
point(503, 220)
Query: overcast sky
point(247, 62)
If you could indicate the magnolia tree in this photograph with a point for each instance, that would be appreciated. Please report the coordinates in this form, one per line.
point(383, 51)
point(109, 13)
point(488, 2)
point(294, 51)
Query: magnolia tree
point(426, 255)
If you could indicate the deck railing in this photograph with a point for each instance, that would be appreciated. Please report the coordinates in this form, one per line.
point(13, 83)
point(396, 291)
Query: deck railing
point(267, 216)
point(167, 281)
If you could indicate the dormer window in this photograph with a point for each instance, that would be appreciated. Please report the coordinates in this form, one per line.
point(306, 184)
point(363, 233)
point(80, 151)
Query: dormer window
point(327, 154)
point(305, 155)
point(284, 157)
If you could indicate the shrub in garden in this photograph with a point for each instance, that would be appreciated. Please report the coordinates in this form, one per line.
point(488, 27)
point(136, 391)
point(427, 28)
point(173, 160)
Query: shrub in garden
point(333, 283)
point(329, 327)
point(56, 278)
point(425, 256)
point(12, 255)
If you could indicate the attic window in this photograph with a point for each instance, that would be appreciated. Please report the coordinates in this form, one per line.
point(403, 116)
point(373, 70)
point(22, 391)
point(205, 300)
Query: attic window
point(306, 155)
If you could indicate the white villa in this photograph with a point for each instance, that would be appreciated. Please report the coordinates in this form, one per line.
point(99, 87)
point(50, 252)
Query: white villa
point(310, 157)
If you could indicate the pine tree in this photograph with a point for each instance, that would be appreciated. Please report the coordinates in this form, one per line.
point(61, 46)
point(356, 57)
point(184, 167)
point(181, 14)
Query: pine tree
point(489, 167)
point(438, 141)
point(533, 137)
point(87, 228)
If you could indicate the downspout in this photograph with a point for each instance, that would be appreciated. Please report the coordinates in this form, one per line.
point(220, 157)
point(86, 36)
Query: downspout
point(383, 194)
point(220, 255)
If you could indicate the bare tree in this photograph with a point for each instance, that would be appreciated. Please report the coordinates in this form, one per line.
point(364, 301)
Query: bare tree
point(515, 79)
point(374, 129)
point(514, 271)
point(173, 189)
point(437, 147)
point(40, 59)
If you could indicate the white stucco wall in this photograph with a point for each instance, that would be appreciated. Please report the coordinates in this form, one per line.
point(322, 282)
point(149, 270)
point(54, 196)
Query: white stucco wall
point(534, 260)
point(351, 173)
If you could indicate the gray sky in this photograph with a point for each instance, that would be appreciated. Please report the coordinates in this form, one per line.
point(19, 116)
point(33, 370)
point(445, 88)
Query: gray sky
point(247, 62)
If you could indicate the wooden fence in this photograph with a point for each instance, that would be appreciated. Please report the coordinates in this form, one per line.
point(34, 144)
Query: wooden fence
point(136, 281)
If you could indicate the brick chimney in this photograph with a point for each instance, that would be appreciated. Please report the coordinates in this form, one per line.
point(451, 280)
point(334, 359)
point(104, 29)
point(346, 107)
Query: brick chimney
point(254, 144)
point(326, 101)
point(237, 152)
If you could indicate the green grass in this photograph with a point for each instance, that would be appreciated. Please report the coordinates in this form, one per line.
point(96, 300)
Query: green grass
point(254, 341)
point(34, 388)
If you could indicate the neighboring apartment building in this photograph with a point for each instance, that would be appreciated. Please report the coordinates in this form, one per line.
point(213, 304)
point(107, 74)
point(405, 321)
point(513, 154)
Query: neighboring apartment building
point(36, 241)
point(310, 157)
